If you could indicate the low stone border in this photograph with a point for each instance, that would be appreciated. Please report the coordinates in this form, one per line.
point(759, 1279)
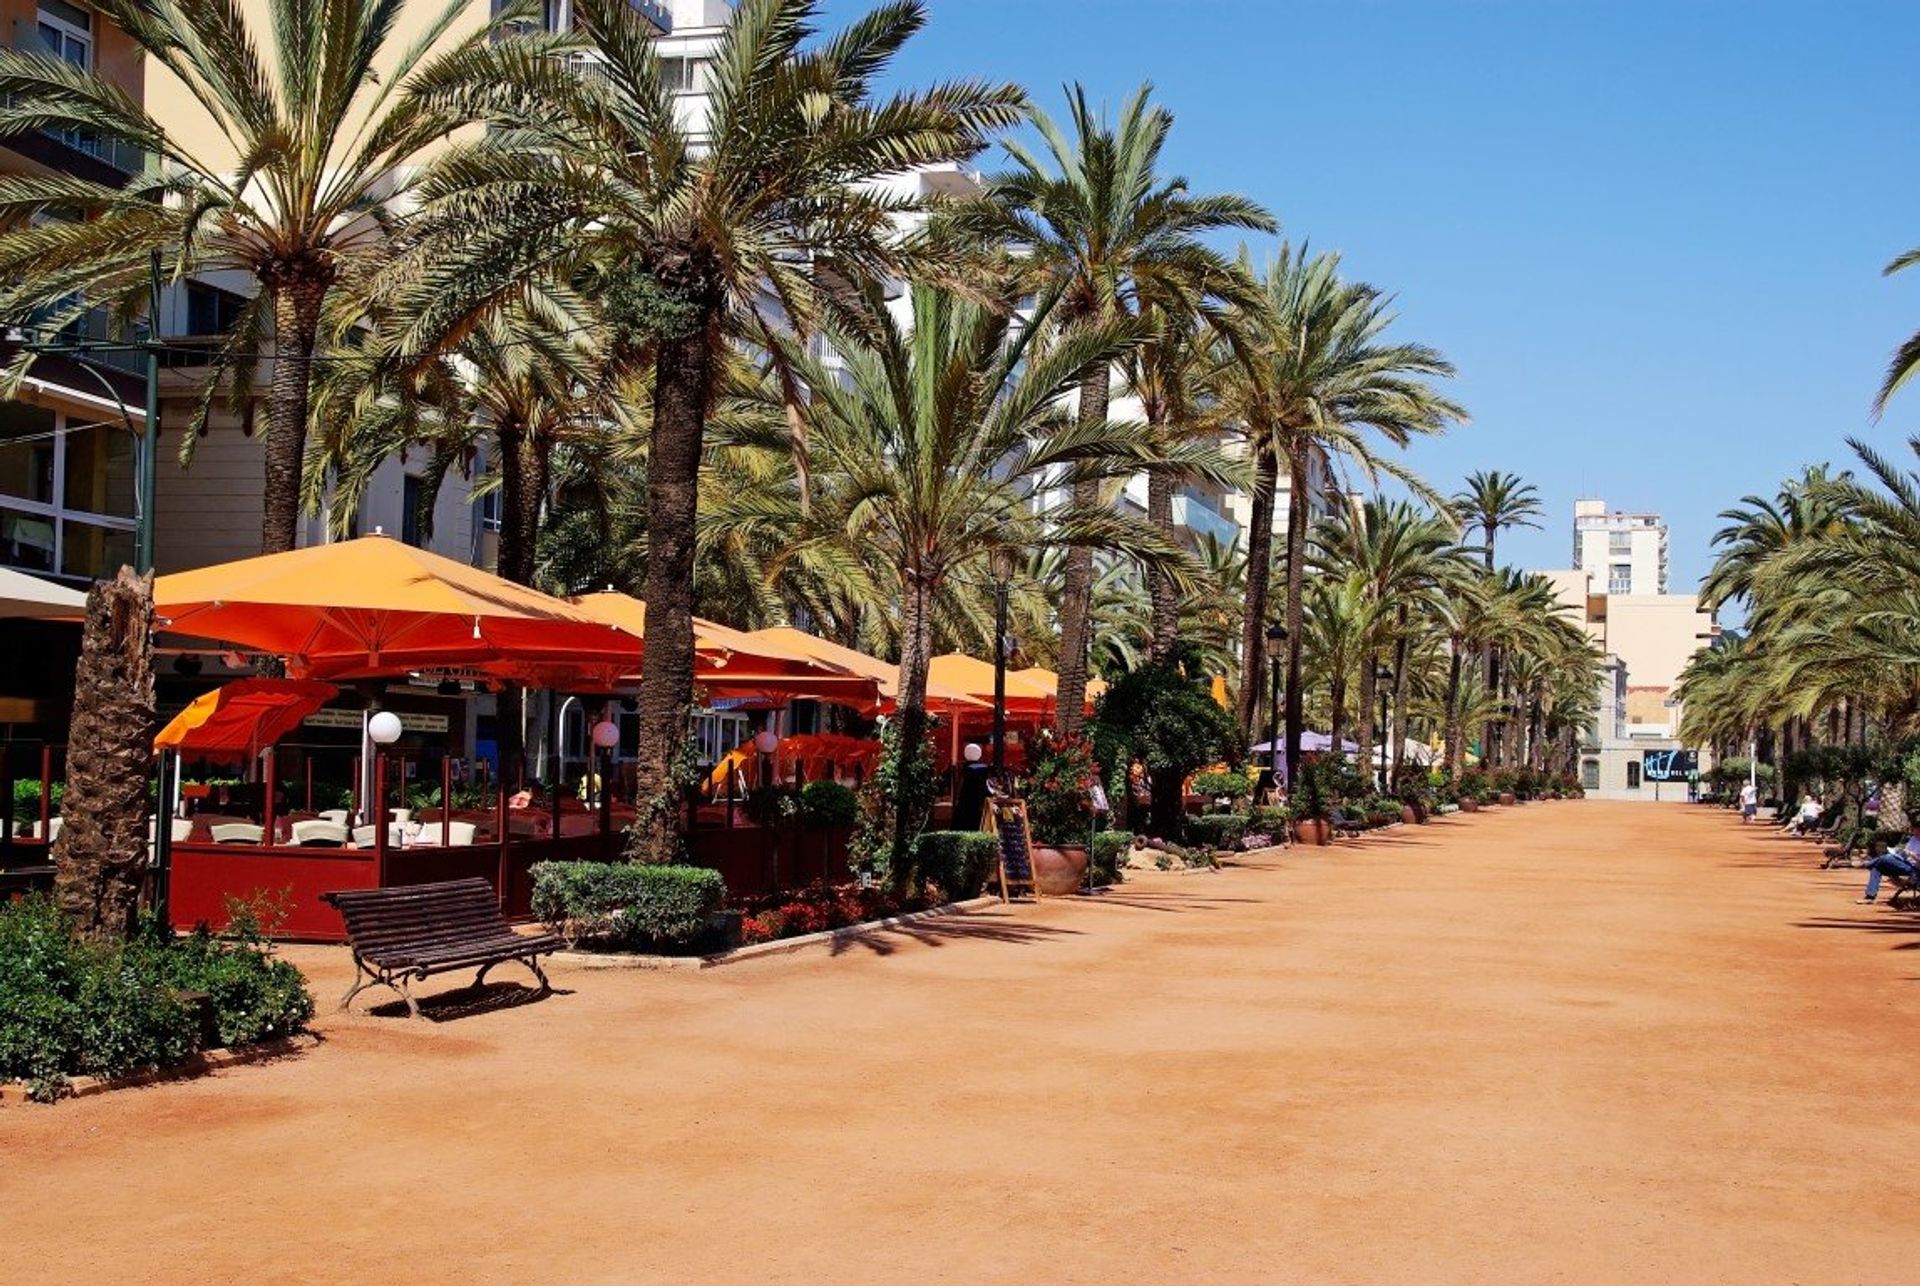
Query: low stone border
point(778, 947)
point(207, 1060)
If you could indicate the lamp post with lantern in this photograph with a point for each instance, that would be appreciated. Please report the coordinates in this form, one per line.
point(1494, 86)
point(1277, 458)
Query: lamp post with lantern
point(1276, 638)
point(1002, 576)
point(1383, 679)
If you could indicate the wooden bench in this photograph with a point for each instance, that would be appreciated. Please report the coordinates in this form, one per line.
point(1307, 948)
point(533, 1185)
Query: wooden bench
point(405, 934)
point(1345, 823)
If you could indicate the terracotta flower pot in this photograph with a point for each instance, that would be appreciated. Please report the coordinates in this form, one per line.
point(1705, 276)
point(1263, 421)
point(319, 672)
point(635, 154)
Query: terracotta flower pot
point(1407, 814)
point(1059, 869)
point(1469, 805)
point(1506, 797)
point(1314, 830)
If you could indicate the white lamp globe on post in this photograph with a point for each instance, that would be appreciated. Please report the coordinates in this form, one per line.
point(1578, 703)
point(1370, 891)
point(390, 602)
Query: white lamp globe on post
point(384, 728)
point(766, 741)
point(606, 734)
point(971, 752)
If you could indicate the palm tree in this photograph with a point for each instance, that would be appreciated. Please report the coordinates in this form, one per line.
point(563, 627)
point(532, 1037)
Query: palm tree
point(1494, 501)
point(928, 447)
point(311, 138)
point(1343, 627)
point(1323, 377)
point(594, 178)
point(1100, 227)
point(1906, 358)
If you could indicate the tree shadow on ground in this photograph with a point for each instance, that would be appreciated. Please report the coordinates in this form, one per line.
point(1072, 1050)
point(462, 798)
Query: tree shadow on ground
point(469, 1001)
point(1169, 901)
point(1888, 922)
point(939, 932)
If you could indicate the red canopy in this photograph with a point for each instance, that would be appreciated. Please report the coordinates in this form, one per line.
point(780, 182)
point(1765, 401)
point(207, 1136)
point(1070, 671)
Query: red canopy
point(244, 716)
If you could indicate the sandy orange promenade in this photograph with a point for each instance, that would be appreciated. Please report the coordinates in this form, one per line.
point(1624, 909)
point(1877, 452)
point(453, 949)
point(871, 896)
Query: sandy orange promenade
point(1577, 1042)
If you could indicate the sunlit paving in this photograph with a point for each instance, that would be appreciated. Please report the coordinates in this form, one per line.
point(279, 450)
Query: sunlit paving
point(810, 641)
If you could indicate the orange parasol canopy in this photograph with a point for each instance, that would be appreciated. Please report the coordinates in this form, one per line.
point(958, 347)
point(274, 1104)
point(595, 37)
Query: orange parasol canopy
point(244, 715)
point(373, 607)
point(941, 699)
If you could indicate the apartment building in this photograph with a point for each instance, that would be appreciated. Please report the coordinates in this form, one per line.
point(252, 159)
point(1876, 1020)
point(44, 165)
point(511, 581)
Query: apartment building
point(1625, 552)
point(1646, 634)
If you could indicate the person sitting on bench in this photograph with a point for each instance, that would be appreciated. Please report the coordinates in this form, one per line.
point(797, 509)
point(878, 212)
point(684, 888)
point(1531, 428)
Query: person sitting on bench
point(1807, 818)
point(1902, 865)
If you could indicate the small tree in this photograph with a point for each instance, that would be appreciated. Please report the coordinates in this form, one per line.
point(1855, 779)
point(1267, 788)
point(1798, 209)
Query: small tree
point(1172, 724)
point(101, 855)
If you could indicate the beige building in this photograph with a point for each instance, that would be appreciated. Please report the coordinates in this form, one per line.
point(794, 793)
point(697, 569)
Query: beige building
point(1626, 553)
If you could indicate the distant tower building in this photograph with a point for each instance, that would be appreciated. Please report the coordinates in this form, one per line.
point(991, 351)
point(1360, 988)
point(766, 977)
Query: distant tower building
point(1624, 553)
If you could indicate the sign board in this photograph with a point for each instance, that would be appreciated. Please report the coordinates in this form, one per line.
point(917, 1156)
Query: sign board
point(1669, 765)
point(1007, 821)
point(351, 719)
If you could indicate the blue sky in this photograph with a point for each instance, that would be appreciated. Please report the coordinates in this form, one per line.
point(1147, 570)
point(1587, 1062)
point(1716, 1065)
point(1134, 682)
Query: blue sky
point(1648, 233)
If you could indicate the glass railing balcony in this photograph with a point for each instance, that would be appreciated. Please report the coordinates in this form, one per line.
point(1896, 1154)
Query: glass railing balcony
point(124, 157)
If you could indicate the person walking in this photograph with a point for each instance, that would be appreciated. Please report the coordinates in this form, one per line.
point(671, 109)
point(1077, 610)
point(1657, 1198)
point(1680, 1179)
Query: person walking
point(1749, 802)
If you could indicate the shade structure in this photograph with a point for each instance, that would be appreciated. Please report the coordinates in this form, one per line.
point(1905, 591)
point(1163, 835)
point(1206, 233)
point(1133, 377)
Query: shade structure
point(1311, 743)
point(374, 607)
point(941, 699)
point(244, 716)
point(1027, 696)
point(743, 670)
point(1041, 676)
point(28, 597)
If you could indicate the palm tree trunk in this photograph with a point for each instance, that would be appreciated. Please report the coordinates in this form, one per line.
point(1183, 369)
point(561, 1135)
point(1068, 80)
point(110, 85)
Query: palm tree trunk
point(1450, 738)
point(1076, 595)
point(1400, 685)
point(682, 394)
point(1296, 600)
point(1253, 624)
point(100, 859)
point(1337, 715)
point(296, 323)
point(1165, 599)
point(1364, 718)
point(524, 463)
point(916, 655)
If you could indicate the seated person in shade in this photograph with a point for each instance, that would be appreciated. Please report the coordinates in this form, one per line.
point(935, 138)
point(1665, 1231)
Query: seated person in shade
point(520, 799)
point(1807, 818)
point(1905, 864)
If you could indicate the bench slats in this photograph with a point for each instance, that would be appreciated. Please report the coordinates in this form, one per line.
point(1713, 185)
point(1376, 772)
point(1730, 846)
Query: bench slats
point(422, 929)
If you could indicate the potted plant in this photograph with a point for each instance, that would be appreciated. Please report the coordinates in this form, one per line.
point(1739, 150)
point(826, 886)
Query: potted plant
point(1059, 812)
point(1222, 788)
point(1308, 809)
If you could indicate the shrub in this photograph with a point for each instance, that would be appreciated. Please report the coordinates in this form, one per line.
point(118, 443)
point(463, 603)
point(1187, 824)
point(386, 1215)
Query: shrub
point(70, 1008)
point(958, 863)
point(904, 785)
point(1169, 720)
point(1216, 831)
point(1108, 856)
point(627, 906)
point(1267, 820)
point(26, 802)
point(828, 803)
point(1230, 784)
point(1057, 785)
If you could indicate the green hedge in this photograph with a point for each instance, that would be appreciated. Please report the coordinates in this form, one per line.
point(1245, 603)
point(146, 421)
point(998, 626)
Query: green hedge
point(828, 803)
point(1216, 830)
point(71, 1008)
point(958, 863)
point(626, 906)
point(26, 802)
point(1109, 855)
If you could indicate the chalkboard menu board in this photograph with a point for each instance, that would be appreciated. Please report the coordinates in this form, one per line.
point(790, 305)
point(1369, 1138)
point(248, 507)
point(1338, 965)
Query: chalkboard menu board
point(1008, 818)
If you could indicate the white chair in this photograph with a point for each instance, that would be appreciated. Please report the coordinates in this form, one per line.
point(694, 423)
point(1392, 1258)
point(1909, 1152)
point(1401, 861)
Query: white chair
point(53, 830)
point(320, 834)
point(402, 815)
point(363, 836)
point(458, 834)
point(237, 833)
point(181, 827)
point(338, 816)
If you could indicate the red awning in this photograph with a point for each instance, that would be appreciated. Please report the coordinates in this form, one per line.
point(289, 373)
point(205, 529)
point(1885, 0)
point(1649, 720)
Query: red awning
point(245, 716)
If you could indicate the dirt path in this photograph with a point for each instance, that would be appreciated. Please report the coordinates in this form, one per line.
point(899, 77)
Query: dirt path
point(1569, 1042)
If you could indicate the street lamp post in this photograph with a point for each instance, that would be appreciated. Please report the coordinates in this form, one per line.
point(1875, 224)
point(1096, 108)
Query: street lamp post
point(1276, 636)
point(1383, 679)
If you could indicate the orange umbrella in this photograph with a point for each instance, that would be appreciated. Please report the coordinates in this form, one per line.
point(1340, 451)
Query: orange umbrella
point(743, 668)
point(373, 607)
point(941, 699)
point(244, 715)
point(1026, 696)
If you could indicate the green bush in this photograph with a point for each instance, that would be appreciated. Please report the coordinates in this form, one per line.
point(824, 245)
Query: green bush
point(627, 906)
point(1213, 785)
point(1217, 830)
point(828, 803)
point(71, 1008)
point(958, 863)
point(1108, 856)
point(1268, 819)
point(26, 802)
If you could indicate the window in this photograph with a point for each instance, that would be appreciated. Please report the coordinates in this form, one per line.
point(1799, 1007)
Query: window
point(1620, 578)
point(211, 310)
point(1590, 774)
point(410, 493)
point(1619, 542)
point(684, 75)
point(66, 493)
point(488, 507)
point(67, 32)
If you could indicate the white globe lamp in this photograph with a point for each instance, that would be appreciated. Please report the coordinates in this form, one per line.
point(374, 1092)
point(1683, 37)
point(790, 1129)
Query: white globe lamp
point(972, 751)
point(384, 728)
point(766, 741)
point(606, 734)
